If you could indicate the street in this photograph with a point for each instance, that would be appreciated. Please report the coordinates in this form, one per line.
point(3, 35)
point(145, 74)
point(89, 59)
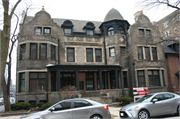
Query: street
point(114, 111)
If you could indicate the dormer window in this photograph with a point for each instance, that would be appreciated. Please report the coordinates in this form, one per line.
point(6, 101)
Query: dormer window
point(90, 32)
point(67, 26)
point(47, 30)
point(110, 31)
point(89, 29)
point(120, 30)
point(38, 30)
point(67, 31)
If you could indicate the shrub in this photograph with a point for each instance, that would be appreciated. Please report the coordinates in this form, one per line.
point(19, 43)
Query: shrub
point(20, 105)
point(124, 100)
point(39, 104)
point(47, 105)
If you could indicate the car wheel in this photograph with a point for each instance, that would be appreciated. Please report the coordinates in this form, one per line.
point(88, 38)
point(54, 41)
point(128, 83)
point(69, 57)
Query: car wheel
point(96, 117)
point(178, 111)
point(143, 114)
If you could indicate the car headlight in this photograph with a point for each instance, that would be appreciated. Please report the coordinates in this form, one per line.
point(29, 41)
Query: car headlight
point(133, 109)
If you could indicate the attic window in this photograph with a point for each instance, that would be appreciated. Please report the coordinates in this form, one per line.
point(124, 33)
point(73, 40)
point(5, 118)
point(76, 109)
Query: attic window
point(38, 30)
point(90, 32)
point(141, 32)
point(67, 31)
point(120, 30)
point(110, 31)
point(47, 30)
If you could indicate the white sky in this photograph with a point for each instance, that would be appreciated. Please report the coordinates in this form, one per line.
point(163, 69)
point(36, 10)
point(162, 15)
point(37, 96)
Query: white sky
point(90, 10)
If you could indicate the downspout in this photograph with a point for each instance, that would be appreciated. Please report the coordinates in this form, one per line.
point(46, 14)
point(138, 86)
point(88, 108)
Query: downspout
point(58, 53)
point(105, 56)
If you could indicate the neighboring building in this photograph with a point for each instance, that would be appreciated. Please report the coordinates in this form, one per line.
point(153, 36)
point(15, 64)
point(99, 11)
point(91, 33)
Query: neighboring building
point(54, 53)
point(0, 63)
point(169, 27)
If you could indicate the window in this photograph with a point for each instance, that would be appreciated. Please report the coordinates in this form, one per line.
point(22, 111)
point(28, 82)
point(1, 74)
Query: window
point(168, 96)
point(23, 52)
point(140, 53)
point(167, 33)
point(173, 20)
point(53, 52)
point(148, 33)
point(147, 52)
point(141, 78)
point(166, 24)
point(158, 97)
point(125, 79)
point(163, 78)
point(37, 82)
point(47, 30)
point(63, 106)
point(178, 18)
point(90, 32)
point(43, 51)
point(141, 32)
point(70, 55)
point(122, 51)
point(89, 81)
point(177, 47)
point(38, 30)
point(81, 103)
point(154, 53)
point(67, 31)
point(98, 54)
point(33, 51)
point(120, 30)
point(175, 29)
point(22, 82)
point(89, 55)
point(110, 31)
point(111, 52)
point(154, 78)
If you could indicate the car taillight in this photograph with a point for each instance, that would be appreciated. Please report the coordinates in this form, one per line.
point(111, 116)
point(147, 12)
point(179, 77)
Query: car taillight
point(106, 107)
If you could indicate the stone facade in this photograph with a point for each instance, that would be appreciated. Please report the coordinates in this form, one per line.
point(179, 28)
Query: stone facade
point(95, 57)
point(169, 27)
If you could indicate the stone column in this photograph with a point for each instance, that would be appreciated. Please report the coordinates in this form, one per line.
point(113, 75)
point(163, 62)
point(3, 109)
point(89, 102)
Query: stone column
point(100, 79)
point(77, 80)
point(117, 79)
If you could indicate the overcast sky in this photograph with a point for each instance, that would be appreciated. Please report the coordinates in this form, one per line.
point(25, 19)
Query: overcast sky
point(90, 10)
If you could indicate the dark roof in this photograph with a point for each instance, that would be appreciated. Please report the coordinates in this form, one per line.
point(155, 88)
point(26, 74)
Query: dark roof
point(177, 73)
point(167, 49)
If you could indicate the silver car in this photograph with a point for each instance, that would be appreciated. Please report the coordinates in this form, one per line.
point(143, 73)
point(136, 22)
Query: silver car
point(73, 109)
point(151, 105)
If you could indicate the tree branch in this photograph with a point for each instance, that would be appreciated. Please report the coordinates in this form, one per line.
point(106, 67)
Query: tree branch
point(12, 12)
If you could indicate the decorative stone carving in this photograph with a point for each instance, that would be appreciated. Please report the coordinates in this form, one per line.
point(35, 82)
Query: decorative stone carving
point(88, 39)
point(80, 39)
point(70, 38)
point(97, 39)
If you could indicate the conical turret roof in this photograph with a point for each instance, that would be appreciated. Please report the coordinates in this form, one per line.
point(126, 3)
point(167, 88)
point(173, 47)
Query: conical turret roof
point(113, 14)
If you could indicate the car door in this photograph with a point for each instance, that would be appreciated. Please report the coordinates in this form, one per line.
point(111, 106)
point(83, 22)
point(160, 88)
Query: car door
point(82, 109)
point(158, 106)
point(169, 103)
point(62, 110)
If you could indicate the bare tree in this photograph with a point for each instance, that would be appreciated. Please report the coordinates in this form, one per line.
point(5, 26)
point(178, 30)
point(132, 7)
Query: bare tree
point(7, 43)
point(149, 4)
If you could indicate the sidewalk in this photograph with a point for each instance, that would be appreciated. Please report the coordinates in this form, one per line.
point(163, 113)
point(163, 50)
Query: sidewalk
point(115, 112)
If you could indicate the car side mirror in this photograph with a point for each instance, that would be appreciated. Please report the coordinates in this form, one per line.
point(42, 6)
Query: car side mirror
point(52, 109)
point(155, 100)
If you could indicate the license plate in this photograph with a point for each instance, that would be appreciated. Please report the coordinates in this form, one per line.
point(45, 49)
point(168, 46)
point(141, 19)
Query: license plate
point(122, 114)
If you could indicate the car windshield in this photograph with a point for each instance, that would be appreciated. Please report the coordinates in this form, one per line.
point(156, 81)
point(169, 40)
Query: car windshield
point(144, 98)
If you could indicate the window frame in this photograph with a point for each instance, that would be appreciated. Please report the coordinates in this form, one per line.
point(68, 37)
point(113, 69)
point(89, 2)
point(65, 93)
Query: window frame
point(49, 28)
point(38, 78)
point(140, 53)
point(22, 52)
point(148, 33)
point(143, 76)
point(67, 33)
point(153, 78)
point(89, 32)
point(53, 52)
point(34, 51)
point(41, 51)
point(20, 83)
point(141, 33)
point(147, 53)
point(96, 54)
point(120, 30)
point(69, 54)
point(37, 32)
point(110, 31)
point(154, 53)
point(89, 55)
point(125, 79)
point(110, 53)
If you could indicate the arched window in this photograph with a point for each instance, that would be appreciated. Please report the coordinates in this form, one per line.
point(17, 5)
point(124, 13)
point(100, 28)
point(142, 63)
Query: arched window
point(110, 31)
point(120, 30)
